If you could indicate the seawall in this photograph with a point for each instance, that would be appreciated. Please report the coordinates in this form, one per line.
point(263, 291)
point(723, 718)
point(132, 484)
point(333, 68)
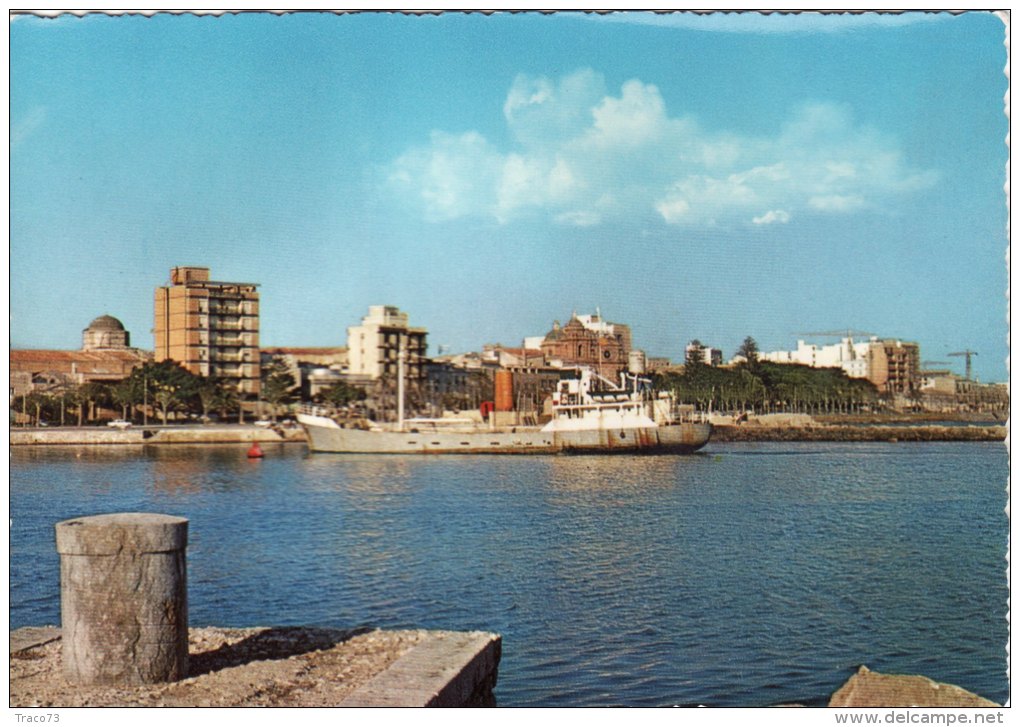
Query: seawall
point(198, 434)
point(230, 434)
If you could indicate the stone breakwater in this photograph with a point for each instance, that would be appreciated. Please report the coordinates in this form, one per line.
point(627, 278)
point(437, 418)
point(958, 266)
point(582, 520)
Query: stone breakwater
point(835, 433)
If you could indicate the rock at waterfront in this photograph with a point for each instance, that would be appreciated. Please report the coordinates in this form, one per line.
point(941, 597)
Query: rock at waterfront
point(867, 688)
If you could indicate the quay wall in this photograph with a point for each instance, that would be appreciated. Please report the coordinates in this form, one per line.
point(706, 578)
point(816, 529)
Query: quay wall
point(153, 435)
point(720, 433)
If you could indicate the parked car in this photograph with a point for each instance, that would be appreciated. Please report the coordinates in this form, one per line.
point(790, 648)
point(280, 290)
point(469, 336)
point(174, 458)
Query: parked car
point(263, 423)
point(119, 423)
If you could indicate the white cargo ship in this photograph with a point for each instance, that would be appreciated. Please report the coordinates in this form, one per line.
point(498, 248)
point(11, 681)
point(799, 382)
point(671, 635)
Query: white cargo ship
point(589, 415)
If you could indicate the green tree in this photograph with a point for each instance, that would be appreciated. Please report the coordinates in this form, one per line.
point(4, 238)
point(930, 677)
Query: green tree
point(168, 385)
point(227, 400)
point(126, 394)
point(749, 351)
point(78, 397)
point(341, 394)
point(278, 385)
point(209, 392)
point(38, 402)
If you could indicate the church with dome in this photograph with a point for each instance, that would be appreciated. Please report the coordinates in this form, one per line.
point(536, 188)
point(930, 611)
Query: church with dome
point(106, 356)
point(104, 333)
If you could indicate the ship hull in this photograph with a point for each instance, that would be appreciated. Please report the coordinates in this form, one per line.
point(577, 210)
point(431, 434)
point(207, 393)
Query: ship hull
point(325, 435)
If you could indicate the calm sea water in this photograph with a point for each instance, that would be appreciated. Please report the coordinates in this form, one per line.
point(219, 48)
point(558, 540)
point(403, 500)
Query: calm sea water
point(748, 575)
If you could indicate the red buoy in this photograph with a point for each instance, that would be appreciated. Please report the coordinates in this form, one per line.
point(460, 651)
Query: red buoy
point(255, 452)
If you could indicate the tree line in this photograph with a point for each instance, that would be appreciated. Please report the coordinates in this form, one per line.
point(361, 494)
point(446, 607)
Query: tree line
point(763, 386)
point(166, 390)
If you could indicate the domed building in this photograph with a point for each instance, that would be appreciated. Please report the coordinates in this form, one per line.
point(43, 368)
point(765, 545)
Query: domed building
point(103, 333)
point(106, 356)
point(588, 340)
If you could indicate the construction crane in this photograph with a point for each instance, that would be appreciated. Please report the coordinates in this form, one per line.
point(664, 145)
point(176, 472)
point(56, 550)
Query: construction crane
point(967, 353)
point(926, 364)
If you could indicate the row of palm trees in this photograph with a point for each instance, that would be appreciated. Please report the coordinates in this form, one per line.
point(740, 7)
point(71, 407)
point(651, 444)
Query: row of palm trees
point(163, 391)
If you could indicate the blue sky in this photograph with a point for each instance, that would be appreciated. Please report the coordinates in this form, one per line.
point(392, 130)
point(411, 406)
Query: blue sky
point(705, 177)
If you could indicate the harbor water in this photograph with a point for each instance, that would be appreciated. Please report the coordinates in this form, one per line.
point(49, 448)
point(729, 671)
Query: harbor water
point(746, 575)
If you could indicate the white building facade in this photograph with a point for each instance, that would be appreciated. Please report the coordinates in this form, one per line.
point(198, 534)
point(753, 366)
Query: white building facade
point(852, 357)
point(374, 347)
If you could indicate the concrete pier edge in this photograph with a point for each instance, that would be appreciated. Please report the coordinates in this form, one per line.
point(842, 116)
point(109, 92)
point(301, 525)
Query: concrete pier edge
point(449, 669)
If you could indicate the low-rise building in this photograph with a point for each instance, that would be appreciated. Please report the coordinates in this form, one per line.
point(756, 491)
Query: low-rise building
point(313, 368)
point(105, 357)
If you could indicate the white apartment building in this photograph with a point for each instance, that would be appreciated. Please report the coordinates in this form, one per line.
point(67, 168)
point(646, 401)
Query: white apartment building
point(706, 354)
point(374, 347)
point(850, 356)
point(890, 364)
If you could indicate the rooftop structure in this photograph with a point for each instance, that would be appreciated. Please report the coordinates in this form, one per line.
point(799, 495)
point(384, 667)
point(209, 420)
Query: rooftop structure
point(105, 332)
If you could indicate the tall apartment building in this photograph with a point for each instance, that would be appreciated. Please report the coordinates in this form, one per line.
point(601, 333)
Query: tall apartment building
point(373, 347)
point(210, 327)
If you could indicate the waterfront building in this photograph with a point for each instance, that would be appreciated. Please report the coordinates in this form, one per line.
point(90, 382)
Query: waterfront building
point(894, 365)
point(374, 347)
point(210, 327)
point(313, 368)
point(589, 341)
point(890, 364)
point(105, 357)
point(457, 383)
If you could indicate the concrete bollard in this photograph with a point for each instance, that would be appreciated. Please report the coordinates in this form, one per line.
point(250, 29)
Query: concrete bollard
point(124, 598)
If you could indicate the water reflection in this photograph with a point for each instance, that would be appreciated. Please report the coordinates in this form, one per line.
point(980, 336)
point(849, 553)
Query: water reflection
point(358, 474)
point(664, 579)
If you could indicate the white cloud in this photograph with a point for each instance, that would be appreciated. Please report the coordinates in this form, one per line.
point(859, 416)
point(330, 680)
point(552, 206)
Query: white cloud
point(772, 217)
point(637, 117)
point(673, 210)
point(583, 156)
point(454, 176)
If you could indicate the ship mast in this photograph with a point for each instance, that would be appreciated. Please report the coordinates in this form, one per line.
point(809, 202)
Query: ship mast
point(400, 389)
